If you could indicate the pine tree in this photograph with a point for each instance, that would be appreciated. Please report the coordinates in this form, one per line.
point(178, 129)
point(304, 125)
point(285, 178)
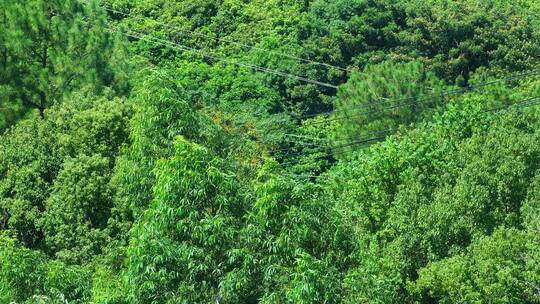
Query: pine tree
point(385, 96)
point(50, 48)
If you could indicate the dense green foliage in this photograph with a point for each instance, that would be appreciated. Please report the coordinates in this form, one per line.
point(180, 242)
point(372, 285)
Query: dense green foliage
point(224, 158)
point(49, 50)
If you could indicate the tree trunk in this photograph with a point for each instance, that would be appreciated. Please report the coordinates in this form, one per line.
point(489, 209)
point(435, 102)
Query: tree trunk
point(42, 103)
point(5, 218)
point(4, 55)
point(42, 94)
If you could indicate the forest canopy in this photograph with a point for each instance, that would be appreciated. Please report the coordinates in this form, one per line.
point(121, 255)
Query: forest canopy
point(269, 151)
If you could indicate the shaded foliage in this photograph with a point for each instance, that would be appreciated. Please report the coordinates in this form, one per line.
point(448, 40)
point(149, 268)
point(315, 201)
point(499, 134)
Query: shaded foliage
point(134, 172)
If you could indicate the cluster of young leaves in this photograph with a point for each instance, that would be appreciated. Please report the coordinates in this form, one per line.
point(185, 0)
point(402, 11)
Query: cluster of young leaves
point(180, 245)
point(292, 249)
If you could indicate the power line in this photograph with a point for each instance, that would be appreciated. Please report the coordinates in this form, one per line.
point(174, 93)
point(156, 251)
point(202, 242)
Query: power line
point(471, 88)
point(171, 44)
point(533, 101)
point(451, 91)
point(326, 140)
point(520, 104)
point(174, 45)
point(414, 99)
point(112, 10)
point(523, 104)
point(302, 137)
point(425, 97)
point(304, 79)
point(362, 140)
point(343, 150)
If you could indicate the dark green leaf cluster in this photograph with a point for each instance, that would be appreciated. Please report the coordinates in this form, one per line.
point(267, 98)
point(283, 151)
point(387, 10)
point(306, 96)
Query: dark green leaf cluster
point(224, 159)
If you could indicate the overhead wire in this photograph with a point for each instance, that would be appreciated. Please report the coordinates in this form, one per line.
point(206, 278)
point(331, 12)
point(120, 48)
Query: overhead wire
point(444, 93)
point(182, 47)
point(508, 78)
point(168, 43)
point(178, 46)
point(193, 33)
point(431, 97)
point(341, 151)
point(326, 143)
point(319, 138)
point(532, 101)
point(349, 144)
